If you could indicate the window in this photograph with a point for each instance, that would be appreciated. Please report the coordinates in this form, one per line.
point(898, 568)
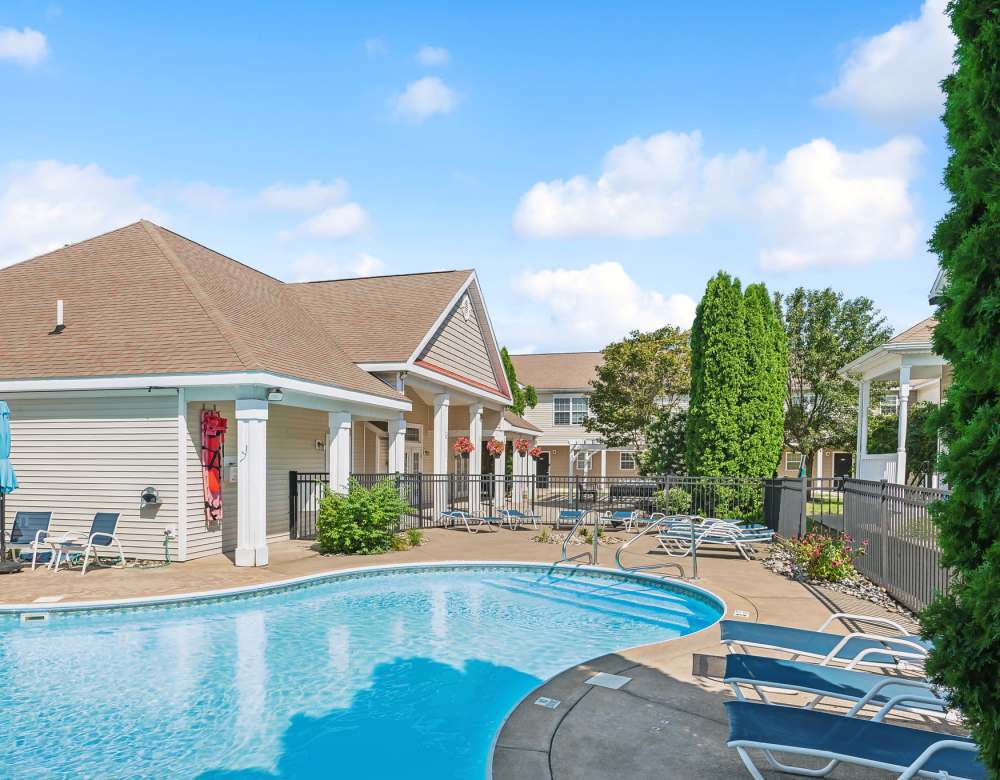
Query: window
point(413, 434)
point(569, 409)
point(889, 404)
point(626, 461)
point(793, 461)
point(582, 461)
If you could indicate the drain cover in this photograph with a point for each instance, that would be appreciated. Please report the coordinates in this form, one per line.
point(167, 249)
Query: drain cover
point(741, 613)
point(605, 680)
point(549, 704)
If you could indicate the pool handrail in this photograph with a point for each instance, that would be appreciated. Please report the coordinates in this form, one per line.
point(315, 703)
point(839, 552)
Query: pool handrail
point(648, 527)
point(590, 555)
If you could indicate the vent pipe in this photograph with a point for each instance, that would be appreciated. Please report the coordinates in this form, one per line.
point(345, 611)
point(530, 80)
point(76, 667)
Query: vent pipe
point(60, 327)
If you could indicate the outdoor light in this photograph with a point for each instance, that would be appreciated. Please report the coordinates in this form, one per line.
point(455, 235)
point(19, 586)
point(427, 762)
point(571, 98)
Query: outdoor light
point(150, 496)
point(275, 394)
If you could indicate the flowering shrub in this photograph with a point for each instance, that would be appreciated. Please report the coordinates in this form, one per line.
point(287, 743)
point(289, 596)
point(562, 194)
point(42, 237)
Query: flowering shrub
point(463, 446)
point(535, 452)
point(829, 558)
point(494, 447)
point(522, 446)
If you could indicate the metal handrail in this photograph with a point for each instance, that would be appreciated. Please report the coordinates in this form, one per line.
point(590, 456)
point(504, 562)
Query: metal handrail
point(591, 556)
point(659, 521)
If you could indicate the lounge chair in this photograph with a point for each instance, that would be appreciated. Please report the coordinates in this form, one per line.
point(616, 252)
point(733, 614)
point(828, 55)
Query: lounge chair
point(862, 689)
point(516, 517)
point(457, 516)
point(677, 539)
point(570, 516)
point(841, 739)
point(620, 518)
point(102, 535)
point(27, 537)
point(827, 647)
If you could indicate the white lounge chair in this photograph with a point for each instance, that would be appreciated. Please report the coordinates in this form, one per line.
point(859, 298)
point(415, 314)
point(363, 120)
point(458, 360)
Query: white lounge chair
point(678, 539)
point(456, 516)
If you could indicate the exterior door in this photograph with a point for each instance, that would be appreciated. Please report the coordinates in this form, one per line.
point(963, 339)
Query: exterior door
point(542, 470)
point(841, 464)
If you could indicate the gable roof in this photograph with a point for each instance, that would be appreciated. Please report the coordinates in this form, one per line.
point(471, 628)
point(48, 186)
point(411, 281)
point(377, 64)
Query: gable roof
point(557, 370)
point(380, 319)
point(519, 422)
point(144, 300)
point(921, 333)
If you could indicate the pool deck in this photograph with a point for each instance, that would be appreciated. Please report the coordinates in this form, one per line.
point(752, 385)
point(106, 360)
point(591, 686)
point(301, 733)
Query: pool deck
point(667, 721)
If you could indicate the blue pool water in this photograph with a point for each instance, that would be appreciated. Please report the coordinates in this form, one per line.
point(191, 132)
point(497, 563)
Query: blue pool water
point(392, 674)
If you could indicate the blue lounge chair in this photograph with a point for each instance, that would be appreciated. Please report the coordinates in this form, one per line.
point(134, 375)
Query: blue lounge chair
point(851, 649)
point(860, 688)
point(102, 535)
point(840, 739)
point(27, 537)
point(516, 517)
point(456, 516)
point(625, 518)
point(569, 515)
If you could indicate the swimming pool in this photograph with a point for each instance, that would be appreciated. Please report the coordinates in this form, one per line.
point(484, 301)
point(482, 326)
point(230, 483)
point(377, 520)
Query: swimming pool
point(395, 672)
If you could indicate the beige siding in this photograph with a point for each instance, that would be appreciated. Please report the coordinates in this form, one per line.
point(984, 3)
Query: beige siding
point(292, 434)
point(85, 454)
point(459, 346)
point(541, 417)
point(204, 537)
point(368, 451)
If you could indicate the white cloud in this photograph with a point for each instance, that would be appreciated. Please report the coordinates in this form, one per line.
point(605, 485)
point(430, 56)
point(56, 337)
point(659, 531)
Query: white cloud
point(376, 47)
point(825, 207)
point(313, 267)
point(25, 47)
point(591, 306)
point(651, 186)
point(423, 99)
point(433, 55)
point(45, 205)
point(336, 222)
point(311, 196)
point(894, 76)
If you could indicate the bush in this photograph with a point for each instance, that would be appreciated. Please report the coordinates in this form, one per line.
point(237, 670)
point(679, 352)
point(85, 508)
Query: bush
point(829, 558)
point(414, 537)
point(676, 501)
point(362, 522)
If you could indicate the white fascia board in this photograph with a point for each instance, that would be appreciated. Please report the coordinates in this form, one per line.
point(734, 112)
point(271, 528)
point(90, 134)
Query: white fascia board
point(434, 376)
point(442, 317)
point(493, 334)
point(164, 381)
point(506, 426)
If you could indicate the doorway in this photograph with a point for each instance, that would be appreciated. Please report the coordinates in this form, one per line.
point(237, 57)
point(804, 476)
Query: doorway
point(842, 464)
point(542, 470)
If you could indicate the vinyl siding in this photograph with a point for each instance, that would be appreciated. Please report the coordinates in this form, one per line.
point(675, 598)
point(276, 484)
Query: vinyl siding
point(460, 346)
point(204, 538)
point(85, 454)
point(541, 417)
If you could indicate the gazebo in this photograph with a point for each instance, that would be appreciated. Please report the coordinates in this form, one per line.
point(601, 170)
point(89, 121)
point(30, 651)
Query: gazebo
point(907, 360)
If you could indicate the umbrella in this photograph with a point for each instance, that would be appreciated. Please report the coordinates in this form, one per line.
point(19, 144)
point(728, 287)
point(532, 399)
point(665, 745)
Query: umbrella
point(8, 484)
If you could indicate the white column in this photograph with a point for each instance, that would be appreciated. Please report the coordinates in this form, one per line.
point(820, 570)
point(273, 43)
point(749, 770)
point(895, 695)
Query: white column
point(440, 450)
point(338, 451)
point(397, 444)
point(864, 391)
point(500, 470)
point(818, 465)
point(571, 461)
point(476, 437)
point(604, 465)
point(904, 404)
point(251, 481)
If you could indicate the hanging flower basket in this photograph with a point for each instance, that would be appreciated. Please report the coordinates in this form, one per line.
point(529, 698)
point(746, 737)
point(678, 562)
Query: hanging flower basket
point(495, 448)
point(522, 446)
point(463, 446)
point(535, 453)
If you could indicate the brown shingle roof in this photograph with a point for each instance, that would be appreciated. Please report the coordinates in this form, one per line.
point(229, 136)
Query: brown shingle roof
point(519, 422)
point(557, 370)
point(381, 318)
point(143, 300)
point(921, 333)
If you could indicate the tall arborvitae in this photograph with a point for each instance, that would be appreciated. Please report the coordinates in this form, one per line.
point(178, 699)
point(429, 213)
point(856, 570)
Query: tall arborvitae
point(718, 375)
point(762, 406)
point(965, 624)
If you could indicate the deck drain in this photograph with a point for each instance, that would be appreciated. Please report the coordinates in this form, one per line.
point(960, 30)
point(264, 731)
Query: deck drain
point(48, 599)
point(545, 701)
point(605, 680)
point(741, 613)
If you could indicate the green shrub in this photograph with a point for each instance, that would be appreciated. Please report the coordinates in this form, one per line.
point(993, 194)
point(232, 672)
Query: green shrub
point(362, 522)
point(829, 558)
point(676, 501)
point(415, 537)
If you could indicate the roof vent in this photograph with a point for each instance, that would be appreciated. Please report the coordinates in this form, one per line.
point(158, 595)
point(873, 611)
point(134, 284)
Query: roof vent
point(60, 327)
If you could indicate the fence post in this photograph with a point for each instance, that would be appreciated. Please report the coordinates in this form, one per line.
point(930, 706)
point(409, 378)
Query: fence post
point(293, 489)
point(883, 530)
point(802, 511)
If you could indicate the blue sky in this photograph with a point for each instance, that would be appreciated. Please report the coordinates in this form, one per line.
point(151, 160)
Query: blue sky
point(595, 165)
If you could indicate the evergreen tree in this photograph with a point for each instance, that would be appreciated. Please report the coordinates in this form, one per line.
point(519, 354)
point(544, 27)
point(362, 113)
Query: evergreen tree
point(964, 624)
point(762, 406)
point(718, 376)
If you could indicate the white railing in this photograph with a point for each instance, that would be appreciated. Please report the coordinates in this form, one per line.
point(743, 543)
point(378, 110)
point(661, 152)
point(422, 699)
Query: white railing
point(878, 467)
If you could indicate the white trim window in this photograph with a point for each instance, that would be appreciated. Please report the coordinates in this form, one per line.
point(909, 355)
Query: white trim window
point(793, 461)
point(569, 409)
point(626, 461)
point(414, 433)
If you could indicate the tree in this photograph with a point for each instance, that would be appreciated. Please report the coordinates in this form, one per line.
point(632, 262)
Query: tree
point(921, 438)
point(824, 332)
point(664, 453)
point(964, 623)
point(718, 377)
point(762, 404)
point(640, 376)
point(521, 398)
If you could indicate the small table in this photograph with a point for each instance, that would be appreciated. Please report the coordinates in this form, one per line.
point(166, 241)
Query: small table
point(60, 546)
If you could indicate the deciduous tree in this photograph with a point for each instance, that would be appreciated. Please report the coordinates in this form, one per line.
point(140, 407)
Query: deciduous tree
point(521, 397)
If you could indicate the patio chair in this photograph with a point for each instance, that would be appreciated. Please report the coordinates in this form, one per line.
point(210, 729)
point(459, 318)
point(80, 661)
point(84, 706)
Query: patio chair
point(862, 689)
point(625, 518)
point(841, 739)
point(678, 539)
point(852, 649)
point(27, 537)
point(102, 535)
point(468, 520)
point(570, 516)
point(516, 517)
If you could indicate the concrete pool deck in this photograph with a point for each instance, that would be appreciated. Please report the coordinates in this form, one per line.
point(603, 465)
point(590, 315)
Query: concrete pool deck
point(667, 722)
